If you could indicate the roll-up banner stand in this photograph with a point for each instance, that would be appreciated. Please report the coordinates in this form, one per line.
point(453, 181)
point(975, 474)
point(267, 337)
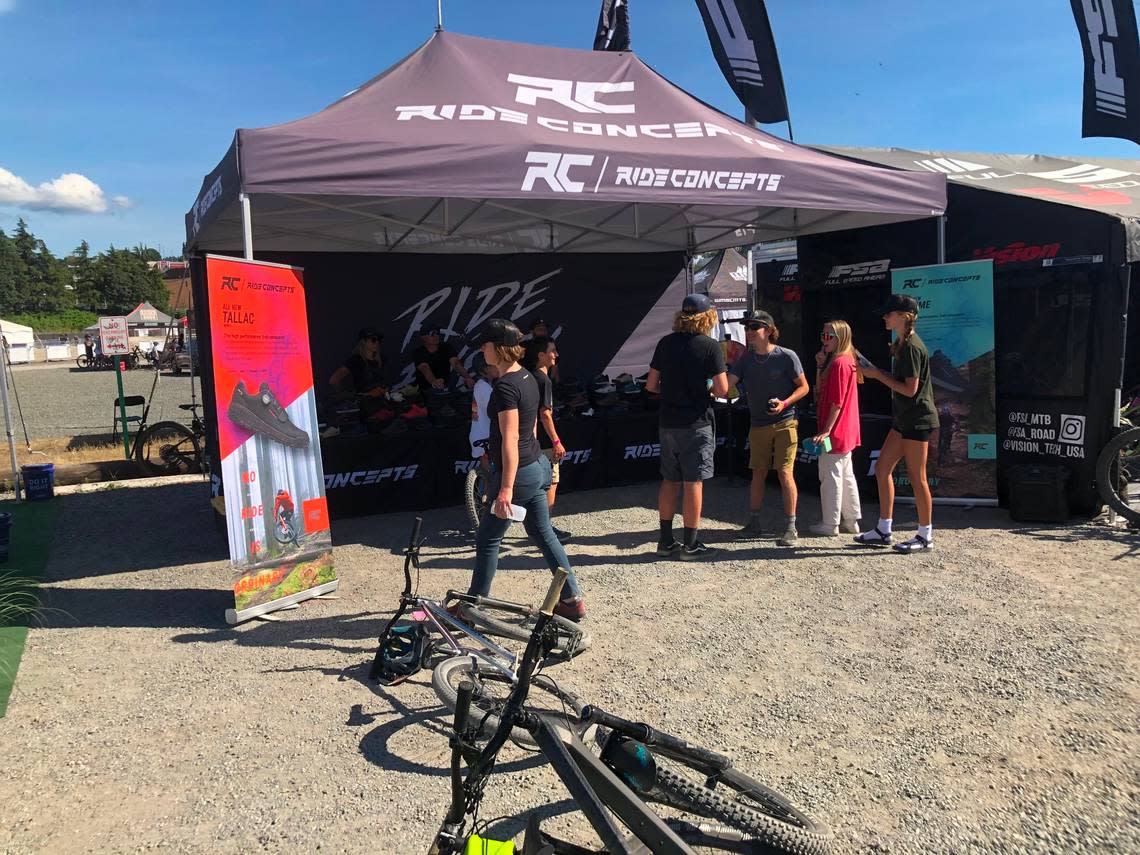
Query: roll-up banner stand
point(956, 323)
point(276, 514)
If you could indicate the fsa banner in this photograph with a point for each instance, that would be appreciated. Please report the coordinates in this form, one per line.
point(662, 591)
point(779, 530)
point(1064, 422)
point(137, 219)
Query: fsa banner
point(276, 514)
point(956, 322)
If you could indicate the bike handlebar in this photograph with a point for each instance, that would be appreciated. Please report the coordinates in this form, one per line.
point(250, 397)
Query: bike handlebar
point(644, 733)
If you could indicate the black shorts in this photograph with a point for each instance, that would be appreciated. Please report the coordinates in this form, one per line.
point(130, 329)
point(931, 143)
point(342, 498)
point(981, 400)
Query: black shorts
point(917, 435)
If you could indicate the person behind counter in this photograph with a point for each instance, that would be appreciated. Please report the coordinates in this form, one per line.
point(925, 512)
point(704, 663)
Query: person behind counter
point(362, 373)
point(435, 359)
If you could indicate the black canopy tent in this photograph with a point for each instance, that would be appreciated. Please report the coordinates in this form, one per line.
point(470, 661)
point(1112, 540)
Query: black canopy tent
point(471, 157)
point(1064, 235)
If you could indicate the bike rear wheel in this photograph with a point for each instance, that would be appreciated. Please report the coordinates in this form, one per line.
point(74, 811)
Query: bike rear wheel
point(475, 495)
point(491, 690)
point(1118, 474)
point(168, 448)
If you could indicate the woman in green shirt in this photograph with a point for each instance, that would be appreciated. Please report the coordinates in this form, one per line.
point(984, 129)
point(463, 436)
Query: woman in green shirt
point(915, 419)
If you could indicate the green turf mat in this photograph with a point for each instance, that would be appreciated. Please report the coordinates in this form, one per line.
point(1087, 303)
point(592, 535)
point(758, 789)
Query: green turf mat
point(33, 526)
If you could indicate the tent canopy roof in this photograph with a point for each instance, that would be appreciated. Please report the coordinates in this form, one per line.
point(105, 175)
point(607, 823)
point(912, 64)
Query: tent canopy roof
point(1107, 186)
point(476, 145)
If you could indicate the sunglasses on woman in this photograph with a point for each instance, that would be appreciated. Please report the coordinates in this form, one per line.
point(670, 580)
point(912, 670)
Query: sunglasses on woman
point(824, 336)
point(755, 327)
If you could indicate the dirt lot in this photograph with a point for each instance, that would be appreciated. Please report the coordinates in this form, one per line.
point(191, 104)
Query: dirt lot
point(60, 400)
point(982, 698)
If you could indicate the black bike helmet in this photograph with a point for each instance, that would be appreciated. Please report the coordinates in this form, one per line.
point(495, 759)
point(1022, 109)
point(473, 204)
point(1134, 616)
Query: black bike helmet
point(405, 651)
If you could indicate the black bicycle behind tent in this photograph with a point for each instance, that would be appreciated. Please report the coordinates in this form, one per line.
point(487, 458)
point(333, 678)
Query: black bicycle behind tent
point(171, 448)
point(1118, 464)
point(708, 803)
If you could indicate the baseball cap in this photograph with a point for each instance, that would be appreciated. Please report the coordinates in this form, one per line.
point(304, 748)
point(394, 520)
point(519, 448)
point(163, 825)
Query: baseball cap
point(898, 303)
point(429, 329)
point(369, 332)
point(539, 322)
point(498, 331)
point(694, 304)
point(758, 317)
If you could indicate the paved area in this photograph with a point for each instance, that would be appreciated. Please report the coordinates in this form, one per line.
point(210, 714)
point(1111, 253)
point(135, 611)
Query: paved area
point(62, 400)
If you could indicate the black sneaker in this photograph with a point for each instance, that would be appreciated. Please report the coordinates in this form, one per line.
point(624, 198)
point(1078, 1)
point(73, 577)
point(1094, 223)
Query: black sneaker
point(667, 550)
point(261, 413)
point(697, 552)
point(563, 536)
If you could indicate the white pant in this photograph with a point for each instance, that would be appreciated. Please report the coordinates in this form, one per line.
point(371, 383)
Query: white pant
point(838, 492)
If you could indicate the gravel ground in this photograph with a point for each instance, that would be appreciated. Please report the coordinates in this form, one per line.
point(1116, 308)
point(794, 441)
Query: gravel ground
point(62, 400)
point(979, 699)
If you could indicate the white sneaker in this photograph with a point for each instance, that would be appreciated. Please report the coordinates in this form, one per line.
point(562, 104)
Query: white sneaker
point(849, 526)
point(821, 530)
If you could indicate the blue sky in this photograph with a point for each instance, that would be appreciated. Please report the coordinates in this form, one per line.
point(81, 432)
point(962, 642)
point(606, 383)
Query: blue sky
point(133, 102)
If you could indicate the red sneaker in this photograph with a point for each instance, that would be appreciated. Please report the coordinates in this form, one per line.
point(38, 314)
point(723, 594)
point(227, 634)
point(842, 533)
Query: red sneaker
point(574, 609)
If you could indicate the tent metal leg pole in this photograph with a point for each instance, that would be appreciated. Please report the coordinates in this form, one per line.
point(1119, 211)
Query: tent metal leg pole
point(942, 239)
point(246, 227)
point(8, 417)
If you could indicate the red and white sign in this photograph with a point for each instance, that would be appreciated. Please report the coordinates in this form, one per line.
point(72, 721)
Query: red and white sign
point(114, 337)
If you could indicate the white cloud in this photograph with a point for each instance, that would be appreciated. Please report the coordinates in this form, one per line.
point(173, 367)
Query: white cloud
point(7, 6)
point(70, 193)
point(122, 202)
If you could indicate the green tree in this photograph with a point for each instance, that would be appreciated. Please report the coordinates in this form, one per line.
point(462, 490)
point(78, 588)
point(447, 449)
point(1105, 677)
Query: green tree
point(83, 278)
point(123, 280)
point(41, 282)
point(13, 278)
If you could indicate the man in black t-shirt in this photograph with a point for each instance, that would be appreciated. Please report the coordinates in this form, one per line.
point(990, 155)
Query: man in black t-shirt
point(435, 359)
point(686, 365)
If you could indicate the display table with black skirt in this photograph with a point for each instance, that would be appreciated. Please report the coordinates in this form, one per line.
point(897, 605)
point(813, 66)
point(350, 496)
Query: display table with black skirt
point(419, 469)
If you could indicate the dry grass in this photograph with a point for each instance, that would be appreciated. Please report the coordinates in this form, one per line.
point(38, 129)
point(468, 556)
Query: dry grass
point(66, 450)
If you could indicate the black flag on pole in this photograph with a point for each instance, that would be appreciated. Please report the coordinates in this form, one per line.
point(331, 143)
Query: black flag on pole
point(1112, 68)
point(613, 26)
point(742, 43)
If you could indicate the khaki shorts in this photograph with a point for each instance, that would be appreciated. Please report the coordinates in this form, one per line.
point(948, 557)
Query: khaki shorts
point(549, 453)
point(773, 446)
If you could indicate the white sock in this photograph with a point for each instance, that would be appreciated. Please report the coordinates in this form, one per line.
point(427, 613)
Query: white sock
point(884, 525)
point(926, 532)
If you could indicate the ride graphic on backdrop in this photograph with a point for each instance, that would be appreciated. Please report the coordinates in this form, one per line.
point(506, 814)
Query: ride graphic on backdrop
point(276, 513)
point(956, 322)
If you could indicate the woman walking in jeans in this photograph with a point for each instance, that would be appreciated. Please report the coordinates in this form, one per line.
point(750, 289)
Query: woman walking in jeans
point(521, 472)
point(838, 421)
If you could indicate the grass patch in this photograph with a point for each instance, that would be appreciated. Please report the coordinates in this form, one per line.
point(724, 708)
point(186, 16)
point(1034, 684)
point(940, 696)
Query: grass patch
point(63, 451)
point(33, 526)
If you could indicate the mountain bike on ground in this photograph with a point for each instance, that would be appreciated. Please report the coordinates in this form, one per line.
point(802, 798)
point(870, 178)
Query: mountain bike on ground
point(440, 627)
point(1118, 464)
point(708, 804)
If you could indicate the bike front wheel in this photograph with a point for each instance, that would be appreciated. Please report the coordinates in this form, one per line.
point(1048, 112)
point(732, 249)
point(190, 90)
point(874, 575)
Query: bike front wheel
point(1118, 474)
point(757, 819)
point(82, 361)
point(492, 687)
point(168, 448)
point(569, 637)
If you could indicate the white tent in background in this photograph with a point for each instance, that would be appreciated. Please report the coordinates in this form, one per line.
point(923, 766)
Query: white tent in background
point(21, 341)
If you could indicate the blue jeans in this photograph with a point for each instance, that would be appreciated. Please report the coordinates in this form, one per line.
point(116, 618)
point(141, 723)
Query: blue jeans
point(531, 483)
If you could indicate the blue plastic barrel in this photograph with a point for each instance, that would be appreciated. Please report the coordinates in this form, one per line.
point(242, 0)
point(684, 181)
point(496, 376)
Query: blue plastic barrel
point(39, 481)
